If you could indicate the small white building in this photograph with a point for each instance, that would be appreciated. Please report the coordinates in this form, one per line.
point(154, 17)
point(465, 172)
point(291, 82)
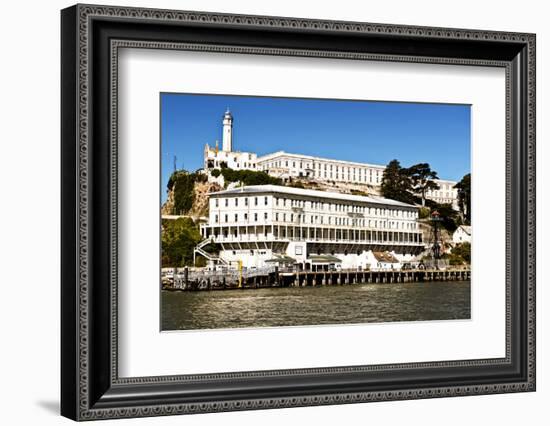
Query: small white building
point(463, 234)
point(257, 225)
point(385, 261)
point(216, 159)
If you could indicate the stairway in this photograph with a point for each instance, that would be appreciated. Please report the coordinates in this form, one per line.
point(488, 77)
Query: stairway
point(199, 250)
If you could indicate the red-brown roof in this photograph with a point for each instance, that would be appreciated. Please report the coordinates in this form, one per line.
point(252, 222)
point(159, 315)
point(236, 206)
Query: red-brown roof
point(385, 256)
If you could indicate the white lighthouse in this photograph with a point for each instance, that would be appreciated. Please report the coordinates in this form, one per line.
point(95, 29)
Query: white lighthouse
point(227, 137)
point(226, 157)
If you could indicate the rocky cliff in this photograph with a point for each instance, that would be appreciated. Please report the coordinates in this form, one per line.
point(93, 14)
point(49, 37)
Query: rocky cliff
point(200, 199)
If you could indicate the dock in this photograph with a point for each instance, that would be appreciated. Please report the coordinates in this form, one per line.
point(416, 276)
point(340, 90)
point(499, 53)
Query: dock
point(274, 277)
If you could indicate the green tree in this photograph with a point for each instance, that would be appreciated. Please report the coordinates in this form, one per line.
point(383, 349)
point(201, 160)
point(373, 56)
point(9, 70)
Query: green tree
point(178, 239)
point(464, 197)
point(396, 183)
point(455, 260)
point(464, 251)
point(422, 179)
point(449, 217)
point(424, 213)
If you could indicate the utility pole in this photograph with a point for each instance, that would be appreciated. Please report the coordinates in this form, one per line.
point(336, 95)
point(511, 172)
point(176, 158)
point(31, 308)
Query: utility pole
point(436, 247)
point(175, 166)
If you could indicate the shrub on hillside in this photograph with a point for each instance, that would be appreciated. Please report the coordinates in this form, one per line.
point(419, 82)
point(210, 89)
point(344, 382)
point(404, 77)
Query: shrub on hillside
point(463, 250)
point(183, 183)
point(424, 212)
point(249, 177)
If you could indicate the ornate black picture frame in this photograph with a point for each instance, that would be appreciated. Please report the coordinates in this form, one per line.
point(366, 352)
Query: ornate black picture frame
point(91, 388)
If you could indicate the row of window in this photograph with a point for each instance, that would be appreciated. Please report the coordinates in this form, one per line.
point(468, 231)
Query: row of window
point(245, 165)
point(317, 220)
point(217, 164)
point(377, 236)
point(223, 155)
point(446, 187)
point(236, 217)
point(235, 203)
point(341, 207)
point(315, 205)
point(350, 178)
point(322, 166)
point(444, 200)
point(440, 194)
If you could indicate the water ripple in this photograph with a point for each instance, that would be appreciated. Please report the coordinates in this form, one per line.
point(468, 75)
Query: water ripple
point(351, 304)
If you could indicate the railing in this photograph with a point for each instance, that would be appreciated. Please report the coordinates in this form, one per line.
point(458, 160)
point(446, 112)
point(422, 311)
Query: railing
point(204, 243)
point(305, 225)
point(270, 237)
point(198, 250)
point(252, 272)
point(231, 274)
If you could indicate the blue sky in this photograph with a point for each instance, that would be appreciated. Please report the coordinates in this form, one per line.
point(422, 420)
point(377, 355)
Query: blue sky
point(363, 131)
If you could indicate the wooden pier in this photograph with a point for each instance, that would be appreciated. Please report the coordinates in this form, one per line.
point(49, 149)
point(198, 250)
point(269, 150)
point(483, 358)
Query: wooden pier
point(276, 278)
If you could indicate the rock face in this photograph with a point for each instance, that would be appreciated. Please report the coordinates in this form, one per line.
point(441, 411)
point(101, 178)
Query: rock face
point(168, 207)
point(350, 188)
point(427, 236)
point(200, 197)
point(342, 187)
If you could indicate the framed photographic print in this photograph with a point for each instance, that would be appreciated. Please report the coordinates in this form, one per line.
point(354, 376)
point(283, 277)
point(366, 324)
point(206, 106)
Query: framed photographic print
point(263, 212)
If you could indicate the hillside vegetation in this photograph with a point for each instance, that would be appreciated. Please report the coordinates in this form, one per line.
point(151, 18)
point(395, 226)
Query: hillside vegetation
point(182, 184)
point(246, 177)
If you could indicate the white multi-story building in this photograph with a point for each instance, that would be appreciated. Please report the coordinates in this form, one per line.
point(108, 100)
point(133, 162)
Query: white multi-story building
point(283, 164)
point(288, 166)
point(258, 225)
point(446, 194)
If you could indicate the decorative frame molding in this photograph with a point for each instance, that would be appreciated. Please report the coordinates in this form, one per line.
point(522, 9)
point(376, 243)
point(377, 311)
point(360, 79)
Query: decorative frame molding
point(91, 37)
